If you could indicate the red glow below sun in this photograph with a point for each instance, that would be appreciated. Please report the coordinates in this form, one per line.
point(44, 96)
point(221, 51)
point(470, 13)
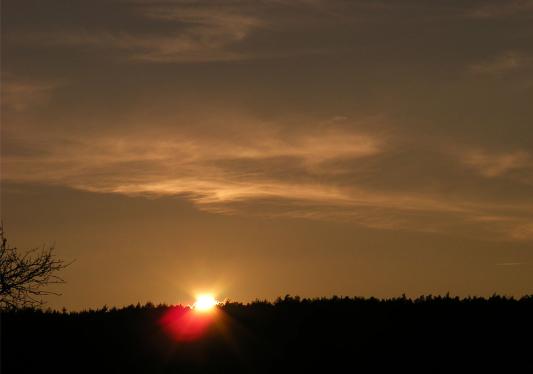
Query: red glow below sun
point(186, 324)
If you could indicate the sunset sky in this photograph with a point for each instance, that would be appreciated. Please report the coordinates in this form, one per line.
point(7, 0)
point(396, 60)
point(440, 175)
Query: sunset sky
point(258, 148)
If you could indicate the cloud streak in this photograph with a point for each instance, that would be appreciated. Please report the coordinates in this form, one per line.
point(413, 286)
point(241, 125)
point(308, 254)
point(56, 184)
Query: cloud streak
point(267, 173)
point(20, 94)
point(281, 127)
point(491, 164)
point(499, 9)
point(202, 43)
point(507, 62)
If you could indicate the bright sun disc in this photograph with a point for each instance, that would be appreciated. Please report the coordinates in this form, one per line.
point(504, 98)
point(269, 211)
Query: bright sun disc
point(205, 303)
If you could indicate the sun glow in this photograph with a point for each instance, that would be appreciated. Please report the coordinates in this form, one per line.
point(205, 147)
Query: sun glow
point(205, 303)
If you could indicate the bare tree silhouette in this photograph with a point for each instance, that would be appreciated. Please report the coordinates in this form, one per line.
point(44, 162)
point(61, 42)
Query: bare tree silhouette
point(24, 275)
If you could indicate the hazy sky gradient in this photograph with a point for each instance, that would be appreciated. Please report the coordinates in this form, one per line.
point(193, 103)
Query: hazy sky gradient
point(269, 147)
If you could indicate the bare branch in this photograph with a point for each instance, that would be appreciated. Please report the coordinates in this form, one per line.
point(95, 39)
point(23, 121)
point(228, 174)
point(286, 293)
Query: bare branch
point(23, 276)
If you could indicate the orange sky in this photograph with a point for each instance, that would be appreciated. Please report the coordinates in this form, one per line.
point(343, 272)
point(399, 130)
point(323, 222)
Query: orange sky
point(260, 148)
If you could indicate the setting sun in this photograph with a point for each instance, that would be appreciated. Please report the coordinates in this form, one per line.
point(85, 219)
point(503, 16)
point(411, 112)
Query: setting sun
point(205, 303)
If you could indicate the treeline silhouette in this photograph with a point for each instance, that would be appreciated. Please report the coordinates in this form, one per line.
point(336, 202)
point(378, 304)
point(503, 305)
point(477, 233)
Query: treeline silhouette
point(431, 334)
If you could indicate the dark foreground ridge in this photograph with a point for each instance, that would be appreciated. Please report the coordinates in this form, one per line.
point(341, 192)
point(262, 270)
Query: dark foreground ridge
point(429, 334)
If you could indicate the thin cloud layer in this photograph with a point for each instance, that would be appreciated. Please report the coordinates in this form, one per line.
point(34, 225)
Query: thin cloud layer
point(213, 169)
point(507, 62)
point(492, 164)
point(267, 174)
point(199, 34)
point(21, 94)
point(389, 115)
point(499, 9)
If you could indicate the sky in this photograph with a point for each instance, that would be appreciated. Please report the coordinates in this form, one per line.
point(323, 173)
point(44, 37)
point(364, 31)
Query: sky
point(260, 148)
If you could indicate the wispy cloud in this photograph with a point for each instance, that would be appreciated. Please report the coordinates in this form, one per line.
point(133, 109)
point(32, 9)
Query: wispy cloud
point(21, 94)
point(261, 171)
point(492, 164)
point(507, 62)
point(213, 170)
point(523, 232)
point(220, 135)
point(495, 9)
point(173, 32)
point(510, 264)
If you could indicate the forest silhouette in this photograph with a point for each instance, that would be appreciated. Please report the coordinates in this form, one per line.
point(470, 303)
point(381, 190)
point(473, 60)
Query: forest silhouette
point(431, 334)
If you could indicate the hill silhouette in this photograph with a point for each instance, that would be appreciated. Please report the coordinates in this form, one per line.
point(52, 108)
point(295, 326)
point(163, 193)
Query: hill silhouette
point(429, 334)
